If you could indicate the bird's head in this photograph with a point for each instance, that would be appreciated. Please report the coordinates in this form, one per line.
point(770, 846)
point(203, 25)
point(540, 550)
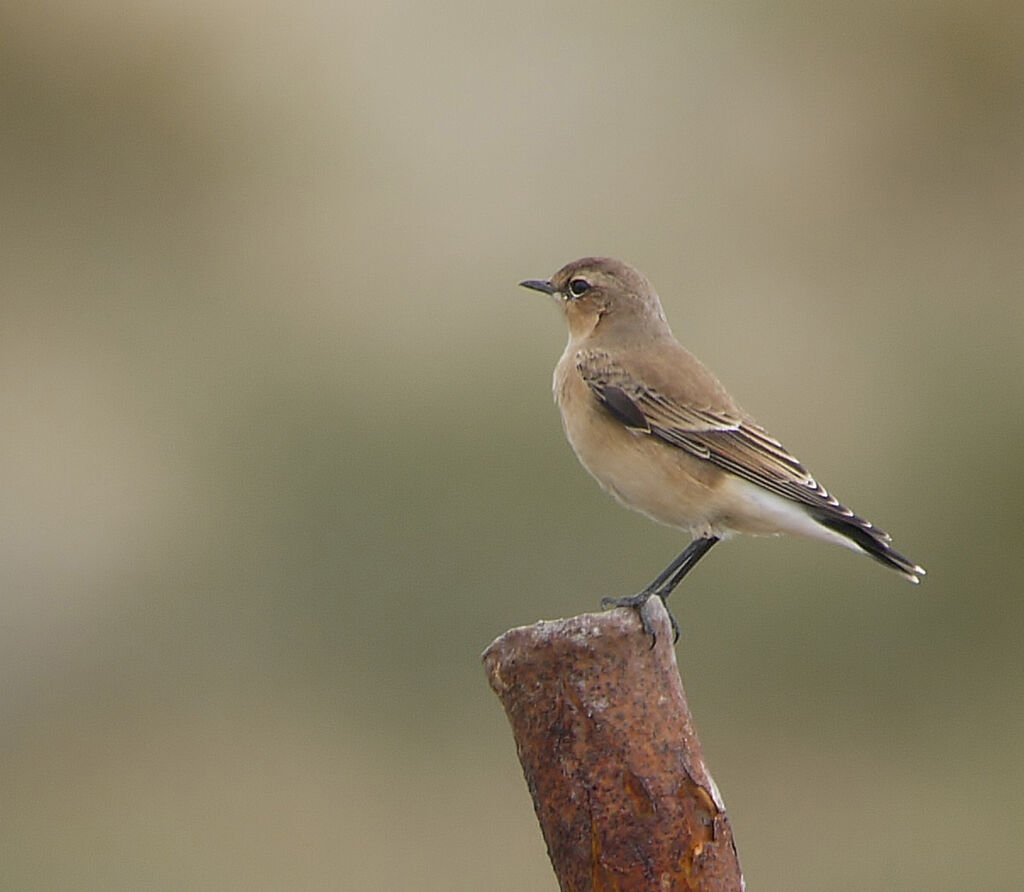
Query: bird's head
point(600, 293)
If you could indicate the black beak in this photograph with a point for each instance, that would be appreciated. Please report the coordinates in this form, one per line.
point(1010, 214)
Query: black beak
point(538, 285)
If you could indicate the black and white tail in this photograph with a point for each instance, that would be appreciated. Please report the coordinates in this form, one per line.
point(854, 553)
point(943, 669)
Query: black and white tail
point(872, 541)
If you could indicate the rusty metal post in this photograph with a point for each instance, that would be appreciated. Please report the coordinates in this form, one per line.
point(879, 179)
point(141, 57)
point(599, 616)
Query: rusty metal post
point(608, 749)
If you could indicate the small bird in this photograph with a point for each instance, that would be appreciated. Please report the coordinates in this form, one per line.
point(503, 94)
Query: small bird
point(656, 429)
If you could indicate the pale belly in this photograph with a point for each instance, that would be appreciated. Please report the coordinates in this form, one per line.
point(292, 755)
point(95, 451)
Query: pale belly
point(665, 482)
point(642, 472)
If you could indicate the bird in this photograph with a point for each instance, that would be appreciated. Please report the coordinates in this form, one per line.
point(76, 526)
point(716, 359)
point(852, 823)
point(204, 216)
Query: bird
point(658, 431)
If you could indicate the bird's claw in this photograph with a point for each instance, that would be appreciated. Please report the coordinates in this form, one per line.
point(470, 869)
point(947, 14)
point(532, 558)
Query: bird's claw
point(637, 602)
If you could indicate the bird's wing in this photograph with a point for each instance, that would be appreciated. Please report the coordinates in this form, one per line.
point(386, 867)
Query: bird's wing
point(722, 436)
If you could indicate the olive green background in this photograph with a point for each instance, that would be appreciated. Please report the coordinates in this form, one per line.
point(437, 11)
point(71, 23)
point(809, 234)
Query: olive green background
point(279, 456)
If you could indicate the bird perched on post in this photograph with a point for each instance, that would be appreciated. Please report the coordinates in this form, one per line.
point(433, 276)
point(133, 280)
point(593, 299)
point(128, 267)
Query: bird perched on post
point(656, 429)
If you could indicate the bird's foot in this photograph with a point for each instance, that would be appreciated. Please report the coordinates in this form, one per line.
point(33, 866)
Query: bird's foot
point(637, 602)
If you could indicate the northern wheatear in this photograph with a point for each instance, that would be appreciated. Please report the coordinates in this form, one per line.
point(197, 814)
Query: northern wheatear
point(658, 431)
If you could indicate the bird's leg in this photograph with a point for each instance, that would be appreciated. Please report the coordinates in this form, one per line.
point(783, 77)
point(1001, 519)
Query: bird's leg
point(667, 580)
point(673, 574)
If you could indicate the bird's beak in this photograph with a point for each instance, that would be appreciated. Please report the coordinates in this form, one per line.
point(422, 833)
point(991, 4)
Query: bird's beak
point(539, 285)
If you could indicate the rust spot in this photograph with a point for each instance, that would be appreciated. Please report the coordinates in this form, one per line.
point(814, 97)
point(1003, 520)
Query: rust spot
point(701, 816)
point(601, 879)
point(640, 799)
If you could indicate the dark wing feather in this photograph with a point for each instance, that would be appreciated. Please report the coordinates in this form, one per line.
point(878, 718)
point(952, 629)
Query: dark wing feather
point(726, 439)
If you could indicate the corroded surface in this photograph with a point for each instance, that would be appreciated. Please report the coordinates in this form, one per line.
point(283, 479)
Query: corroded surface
point(609, 753)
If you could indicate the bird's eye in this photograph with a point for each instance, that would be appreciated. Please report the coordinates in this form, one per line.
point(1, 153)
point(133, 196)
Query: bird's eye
point(578, 287)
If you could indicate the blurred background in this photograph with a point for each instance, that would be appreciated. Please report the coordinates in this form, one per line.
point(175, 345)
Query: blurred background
point(279, 455)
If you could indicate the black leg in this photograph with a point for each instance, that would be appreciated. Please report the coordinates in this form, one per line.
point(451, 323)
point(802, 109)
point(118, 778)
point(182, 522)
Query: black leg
point(673, 574)
point(667, 580)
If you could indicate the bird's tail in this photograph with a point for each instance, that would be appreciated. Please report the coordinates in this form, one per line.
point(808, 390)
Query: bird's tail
point(872, 541)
